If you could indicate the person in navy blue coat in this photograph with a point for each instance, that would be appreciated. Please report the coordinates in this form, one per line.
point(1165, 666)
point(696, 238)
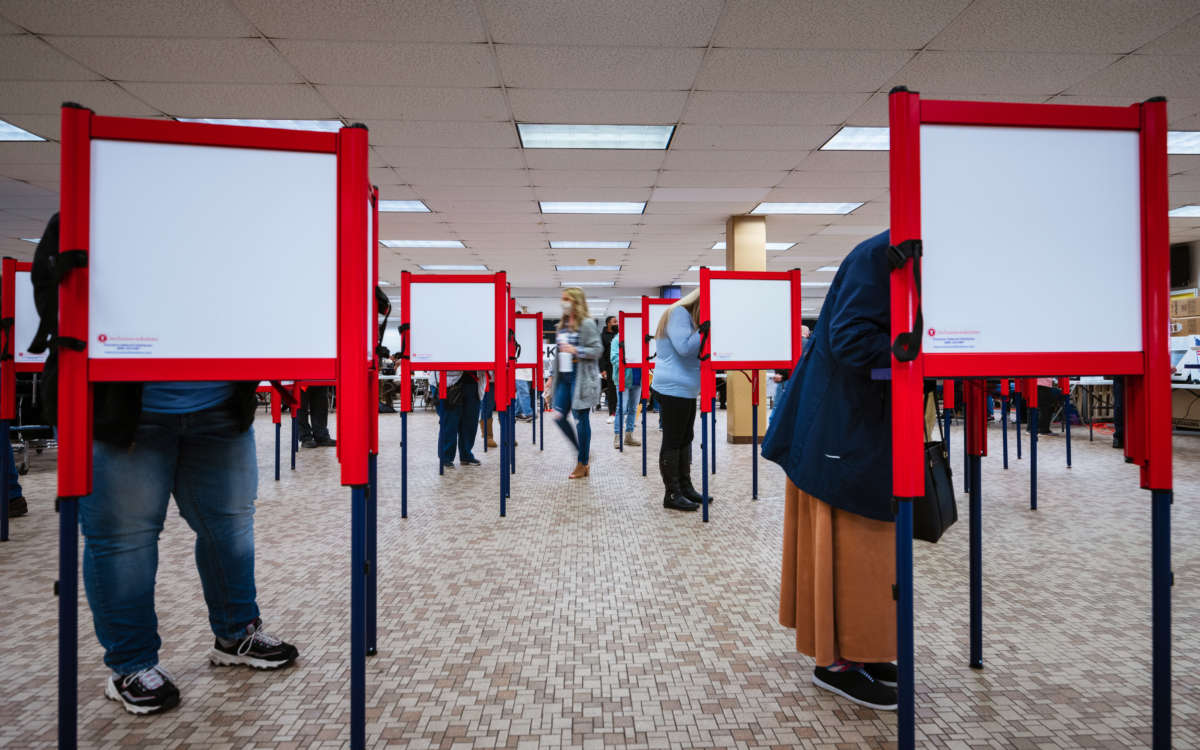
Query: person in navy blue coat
point(831, 433)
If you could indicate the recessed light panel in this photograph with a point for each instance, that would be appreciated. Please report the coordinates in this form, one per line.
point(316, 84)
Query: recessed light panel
point(10, 132)
point(838, 209)
point(416, 207)
point(422, 243)
point(587, 268)
point(828, 268)
point(711, 268)
point(1183, 141)
point(592, 207)
point(1185, 212)
point(588, 245)
point(816, 284)
point(858, 139)
point(325, 126)
point(463, 267)
point(34, 240)
point(770, 245)
point(645, 137)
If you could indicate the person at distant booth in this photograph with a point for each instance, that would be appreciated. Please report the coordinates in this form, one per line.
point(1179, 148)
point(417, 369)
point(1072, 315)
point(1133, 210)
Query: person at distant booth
point(676, 386)
point(831, 433)
point(576, 375)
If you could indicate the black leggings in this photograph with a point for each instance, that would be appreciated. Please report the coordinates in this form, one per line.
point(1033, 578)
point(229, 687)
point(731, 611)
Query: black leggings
point(678, 421)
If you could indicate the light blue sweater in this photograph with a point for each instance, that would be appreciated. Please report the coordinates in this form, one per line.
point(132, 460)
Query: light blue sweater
point(677, 364)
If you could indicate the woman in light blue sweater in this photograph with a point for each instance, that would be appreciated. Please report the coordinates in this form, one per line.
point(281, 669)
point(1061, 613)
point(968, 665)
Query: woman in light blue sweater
point(676, 385)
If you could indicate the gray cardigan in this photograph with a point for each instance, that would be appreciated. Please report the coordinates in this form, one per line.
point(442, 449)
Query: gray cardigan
point(586, 394)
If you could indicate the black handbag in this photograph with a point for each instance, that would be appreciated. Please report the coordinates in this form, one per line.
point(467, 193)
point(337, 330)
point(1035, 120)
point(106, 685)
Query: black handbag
point(937, 511)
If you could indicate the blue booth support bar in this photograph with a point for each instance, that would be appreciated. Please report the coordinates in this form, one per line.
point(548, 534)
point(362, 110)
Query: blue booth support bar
point(976, 565)
point(359, 570)
point(1004, 428)
point(4, 480)
point(620, 421)
point(67, 588)
point(404, 464)
point(295, 443)
point(754, 449)
point(905, 685)
point(644, 437)
point(1033, 441)
point(372, 550)
point(714, 435)
point(278, 431)
point(1162, 579)
point(704, 462)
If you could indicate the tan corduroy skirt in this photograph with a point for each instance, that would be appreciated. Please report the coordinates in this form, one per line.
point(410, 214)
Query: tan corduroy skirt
point(838, 571)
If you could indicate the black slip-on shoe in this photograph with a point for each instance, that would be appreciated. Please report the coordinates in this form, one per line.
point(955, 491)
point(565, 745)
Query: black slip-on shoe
point(884, 672)
point(857, 686)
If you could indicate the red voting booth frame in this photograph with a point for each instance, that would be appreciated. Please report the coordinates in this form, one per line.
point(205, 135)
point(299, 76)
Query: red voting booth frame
point(539, 379)
point(1146, 372)
point(709, 368)
point(622, 316)
point(77, 371)
point(498, 365)
point(9, 367)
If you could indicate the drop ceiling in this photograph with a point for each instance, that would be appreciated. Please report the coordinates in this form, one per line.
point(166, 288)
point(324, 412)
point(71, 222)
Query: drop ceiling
point(754, 87)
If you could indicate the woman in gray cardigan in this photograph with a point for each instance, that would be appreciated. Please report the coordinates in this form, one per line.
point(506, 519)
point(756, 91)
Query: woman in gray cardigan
point(575, 378)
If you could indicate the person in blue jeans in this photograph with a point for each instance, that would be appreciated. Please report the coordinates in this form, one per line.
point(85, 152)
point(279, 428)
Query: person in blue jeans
point(629, 397)
point(458, 414)
point(16, 498)
point(194, 441)
point(525, 395)
point(576, 375)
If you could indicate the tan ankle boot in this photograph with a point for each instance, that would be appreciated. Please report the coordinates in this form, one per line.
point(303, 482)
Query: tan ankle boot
point(580, 472)
point(631, 440)
point(485, 429)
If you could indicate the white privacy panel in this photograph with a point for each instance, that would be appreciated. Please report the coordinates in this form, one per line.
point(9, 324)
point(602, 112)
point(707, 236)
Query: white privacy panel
point(529, 339)
point(657, 309)
point(1016, 223)
point(25, 320)
point(750, 319)
point(633, 340)
point(391, 334)
point(452, 322)
point(210, 252)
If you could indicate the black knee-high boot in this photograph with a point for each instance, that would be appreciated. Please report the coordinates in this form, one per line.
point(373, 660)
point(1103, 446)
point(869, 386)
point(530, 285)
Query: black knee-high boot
point(685, 476)
point(668, 466)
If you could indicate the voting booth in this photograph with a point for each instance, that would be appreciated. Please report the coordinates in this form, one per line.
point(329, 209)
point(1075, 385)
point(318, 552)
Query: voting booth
point(1064, 187)
point(454, 322)
point(754, 320)
point(156, 216)
point(530, 356)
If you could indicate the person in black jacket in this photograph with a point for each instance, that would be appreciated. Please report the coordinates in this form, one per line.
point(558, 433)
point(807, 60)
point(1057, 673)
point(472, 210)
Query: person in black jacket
point(607, 379)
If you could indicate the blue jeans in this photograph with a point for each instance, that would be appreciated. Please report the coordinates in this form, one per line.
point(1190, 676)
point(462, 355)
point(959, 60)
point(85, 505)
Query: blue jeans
point(628, 401)
point(212, 471)
point(581, 436)
point(457, 424)
point(14, 487)
point(524, 398)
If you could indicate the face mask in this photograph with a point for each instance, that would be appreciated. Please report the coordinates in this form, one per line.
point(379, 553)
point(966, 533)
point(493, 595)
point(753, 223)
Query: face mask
point(566, 306)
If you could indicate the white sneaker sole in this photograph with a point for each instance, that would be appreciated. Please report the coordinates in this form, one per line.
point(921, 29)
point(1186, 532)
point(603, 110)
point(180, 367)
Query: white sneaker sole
point(219, 658)
point(111, 692)
point(826, 686)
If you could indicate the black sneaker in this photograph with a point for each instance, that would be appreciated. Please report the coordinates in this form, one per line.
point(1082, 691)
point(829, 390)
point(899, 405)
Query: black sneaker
point(326, 442)
point(149, 691)
point(308, 443)
point(857, 686)
point(448, 466)
point(884, 672)
point(472, 461)
point(256, 649)
point(17, 507)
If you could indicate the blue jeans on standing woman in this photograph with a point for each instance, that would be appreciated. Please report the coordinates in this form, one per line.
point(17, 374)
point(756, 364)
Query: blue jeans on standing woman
point(211, 468)
point(581, 436)
point(629, 403)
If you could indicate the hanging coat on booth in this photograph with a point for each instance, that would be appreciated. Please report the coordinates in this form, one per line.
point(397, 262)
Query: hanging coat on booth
point(831, 431)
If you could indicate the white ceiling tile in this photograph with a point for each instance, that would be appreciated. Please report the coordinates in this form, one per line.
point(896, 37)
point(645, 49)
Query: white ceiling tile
point(708, 195)
point(1143, 76)
point(599, 178)
point(635, 68)
point(837, 71)
point(28, 152)
point(45, 126)
point(451, 158)
point(46, 97)
point(473, 207)
point(824, 194)
point(795, 226)
point(597, 107)
point(31, 172)
point(659, 23)
point(171, 60)
point(433, 195)
point(465, 177)
point(815, 179)
point(759, 108)
point(9, 28)
point(724, 208)
point(201, 18)
point(374, 20)
point(591, 159)
point(848, 24)
point(1184, 39)
point(733, 160)
point(998, 72)
point(270, 101)
point(719, 178)
point(398, 103)
point(442, 134)
point(395, 64)
point(28, 58)
point(384, 176)
point(853, 161)
point(752, 137)
point(1118, 26)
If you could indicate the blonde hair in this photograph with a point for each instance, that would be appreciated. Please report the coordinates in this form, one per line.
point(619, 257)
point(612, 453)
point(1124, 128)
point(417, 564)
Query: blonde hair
point(579, 307)
point(691, 303)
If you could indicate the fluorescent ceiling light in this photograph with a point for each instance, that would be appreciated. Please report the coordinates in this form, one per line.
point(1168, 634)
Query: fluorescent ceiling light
point(587, 268)
point(588, 245)
point(587, 283)
point(406, 206)
point(422, 243)
point(687, 283)
point(816, 284)
point(828, 268)
point(34, 240)
point(1187, 212)
point(463, 267)
point(386, 283)
point(591, 207)
point(711, 268)
point(1183, 141)
point(10, 132)
point(325, 126)
point(770, 245)
point(805, 208)
point(597, 301)
point(595, 136)
point(858, 139)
